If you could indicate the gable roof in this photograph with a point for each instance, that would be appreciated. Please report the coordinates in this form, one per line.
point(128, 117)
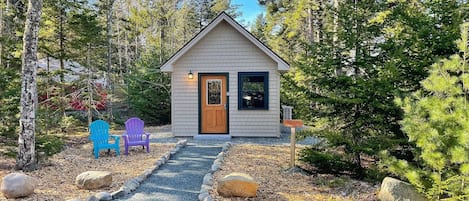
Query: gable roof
point(282, 65)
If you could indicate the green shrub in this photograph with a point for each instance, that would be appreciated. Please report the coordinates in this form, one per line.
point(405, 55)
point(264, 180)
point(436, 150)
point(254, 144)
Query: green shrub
point(326, 162)
point(69, 123)
point(49, 144)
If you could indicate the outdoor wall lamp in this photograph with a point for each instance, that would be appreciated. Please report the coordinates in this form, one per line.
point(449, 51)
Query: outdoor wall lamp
point(190, 75)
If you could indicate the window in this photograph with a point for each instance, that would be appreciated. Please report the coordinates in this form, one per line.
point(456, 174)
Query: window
point(253, 91)
point(214, 92)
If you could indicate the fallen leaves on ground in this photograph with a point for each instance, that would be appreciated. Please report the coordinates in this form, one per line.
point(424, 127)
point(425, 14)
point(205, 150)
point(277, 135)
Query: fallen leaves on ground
point(268, 165)
point(57, 174)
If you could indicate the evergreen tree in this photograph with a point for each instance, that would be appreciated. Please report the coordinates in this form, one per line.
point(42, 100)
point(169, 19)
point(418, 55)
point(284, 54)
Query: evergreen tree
point(361, 62)
point(258, 28)
point(437, 121)
point(149, 91)
point(12, 16)
point(207, 10)
point(344, 80)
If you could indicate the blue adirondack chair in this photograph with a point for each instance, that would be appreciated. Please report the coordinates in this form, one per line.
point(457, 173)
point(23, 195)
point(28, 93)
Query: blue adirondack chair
point(99, 135)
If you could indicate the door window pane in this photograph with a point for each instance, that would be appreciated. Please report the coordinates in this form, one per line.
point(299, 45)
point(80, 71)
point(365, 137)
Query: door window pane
point(214, 92)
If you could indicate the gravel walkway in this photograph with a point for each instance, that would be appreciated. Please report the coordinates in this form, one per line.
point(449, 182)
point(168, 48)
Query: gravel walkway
point(180, 178)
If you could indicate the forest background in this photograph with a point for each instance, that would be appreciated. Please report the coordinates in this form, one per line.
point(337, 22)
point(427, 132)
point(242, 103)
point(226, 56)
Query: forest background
point(350, 62)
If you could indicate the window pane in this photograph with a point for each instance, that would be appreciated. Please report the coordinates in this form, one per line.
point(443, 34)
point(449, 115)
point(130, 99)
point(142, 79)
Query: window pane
point(214, 92)
point(253, 92)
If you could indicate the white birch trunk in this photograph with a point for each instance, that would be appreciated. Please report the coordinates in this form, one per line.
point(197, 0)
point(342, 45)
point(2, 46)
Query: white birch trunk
point(26, 158)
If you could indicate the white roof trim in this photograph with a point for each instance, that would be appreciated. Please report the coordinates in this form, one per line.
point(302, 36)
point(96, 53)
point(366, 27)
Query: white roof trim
point(282, 65)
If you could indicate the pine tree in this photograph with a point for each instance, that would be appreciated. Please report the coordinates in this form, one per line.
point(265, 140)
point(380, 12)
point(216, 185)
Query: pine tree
point(437, 121)
point(258, 28)
point(350, 59)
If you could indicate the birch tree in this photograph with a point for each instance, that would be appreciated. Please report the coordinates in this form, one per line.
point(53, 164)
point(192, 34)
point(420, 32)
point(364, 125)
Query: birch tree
point(26, 158)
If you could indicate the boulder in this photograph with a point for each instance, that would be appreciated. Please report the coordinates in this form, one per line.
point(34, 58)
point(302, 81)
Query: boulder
point(397, 190)
point(16, 185)
point(103, 196)
point(238, 185)
point(93, 180)
point(92, 198)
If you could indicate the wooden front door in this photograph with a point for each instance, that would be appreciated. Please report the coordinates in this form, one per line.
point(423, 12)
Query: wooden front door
point(213, 102)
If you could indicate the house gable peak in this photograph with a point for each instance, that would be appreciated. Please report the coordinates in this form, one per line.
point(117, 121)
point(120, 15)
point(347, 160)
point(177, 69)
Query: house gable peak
point(168, 66)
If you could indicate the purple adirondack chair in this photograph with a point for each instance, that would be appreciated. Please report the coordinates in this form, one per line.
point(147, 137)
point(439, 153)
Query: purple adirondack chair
point(135, 135)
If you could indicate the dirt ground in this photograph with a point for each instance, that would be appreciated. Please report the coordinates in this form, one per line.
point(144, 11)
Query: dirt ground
point(268, 165)
point(57, 174)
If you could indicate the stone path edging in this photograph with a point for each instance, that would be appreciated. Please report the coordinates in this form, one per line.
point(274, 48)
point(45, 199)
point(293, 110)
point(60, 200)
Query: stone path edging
point(207, 183)
point(132, 184)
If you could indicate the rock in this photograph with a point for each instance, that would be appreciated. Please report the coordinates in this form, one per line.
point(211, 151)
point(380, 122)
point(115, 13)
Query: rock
point(397, 190)
point(208, 198)
point(208, 179)
point(182, 142)
point(126, 190)
point(167, 156)
point(140, 179)
point(238, 185)
point(205, 188)
point(92, 198)
point(131, 184)
point(74, 199)
point(217, 161)
point(16, 185)
point(103, 196)
point(214, 167)
point(147, 173)
point(160, 161)
point(225, 147)
point(119, 193)
point(154, 168)
point(93, 180)
point(202, 196)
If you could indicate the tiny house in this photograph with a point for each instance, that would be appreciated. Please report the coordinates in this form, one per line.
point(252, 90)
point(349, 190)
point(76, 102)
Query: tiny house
point(225, 83)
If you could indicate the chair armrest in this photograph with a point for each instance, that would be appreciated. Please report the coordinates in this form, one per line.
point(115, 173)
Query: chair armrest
point(116, 138)
point(147, 134)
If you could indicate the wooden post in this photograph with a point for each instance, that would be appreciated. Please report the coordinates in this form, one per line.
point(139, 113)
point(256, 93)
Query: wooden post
point(292, 124)
point(292, 146)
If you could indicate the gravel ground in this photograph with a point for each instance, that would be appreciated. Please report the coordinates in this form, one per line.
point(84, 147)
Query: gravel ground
point(187, 164)
point(57, 175)
point(180, 178)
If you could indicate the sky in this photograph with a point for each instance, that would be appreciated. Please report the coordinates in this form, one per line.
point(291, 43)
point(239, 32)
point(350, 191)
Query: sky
point(250, 10)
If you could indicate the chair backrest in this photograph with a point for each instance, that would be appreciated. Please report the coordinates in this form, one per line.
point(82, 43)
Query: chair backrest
point(99, 132)
point(134, 127)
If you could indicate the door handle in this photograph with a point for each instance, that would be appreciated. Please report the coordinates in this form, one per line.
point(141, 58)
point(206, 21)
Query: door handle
point(225, 107)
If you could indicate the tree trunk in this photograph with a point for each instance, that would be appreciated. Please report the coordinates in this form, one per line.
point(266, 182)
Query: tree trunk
point(47, 92)
point(1, 32)
point(90, 87)
point(26, 158)
point(63, 102)
point(109, 68)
